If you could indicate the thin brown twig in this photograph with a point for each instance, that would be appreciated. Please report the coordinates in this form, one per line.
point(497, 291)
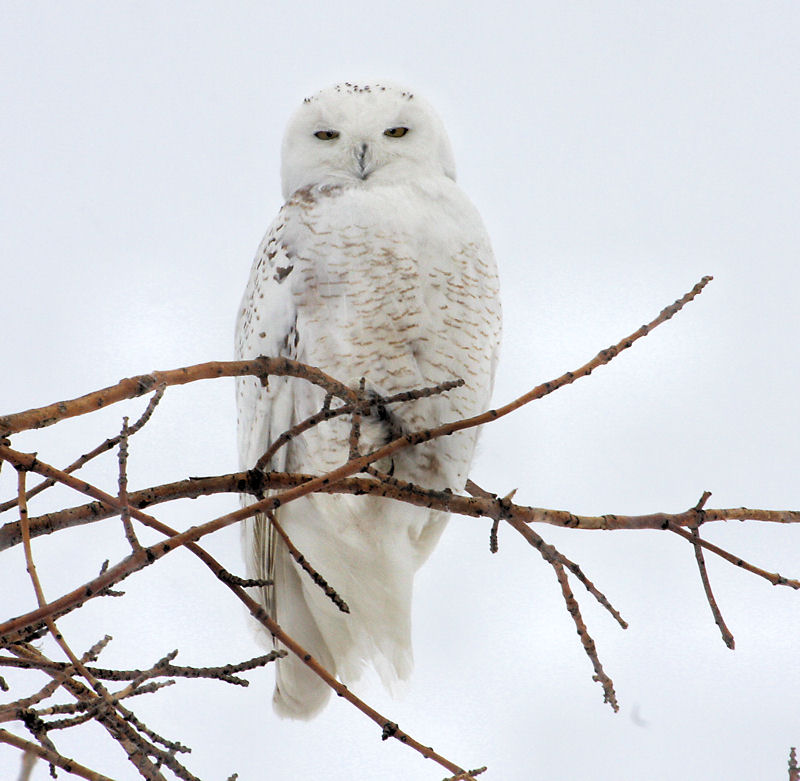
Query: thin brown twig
point(161, 668)
point(363, 405)
point(355, 426)
point(773, 577)
point(100, 449)
point(125, 514)
point(558, 561)
point(327, 589)
point(481, 507)
point(149, 555)
point(132, 387)
point(573, 608)
point(49, 688)
point(554, 556)
point(122, 727)
point(468, 775)
point(229, 577)
point(727, 636)
point(53, 757)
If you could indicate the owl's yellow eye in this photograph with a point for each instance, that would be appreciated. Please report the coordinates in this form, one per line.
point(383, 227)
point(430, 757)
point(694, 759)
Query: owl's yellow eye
point(327, 135)
point(395, 132)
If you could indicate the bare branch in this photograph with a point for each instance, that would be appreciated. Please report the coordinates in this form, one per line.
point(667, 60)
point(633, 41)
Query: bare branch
point(100, 449)
point(588, 644)
point(327, 413)
point(132, 387)
point(327, 589)
point(727, 637)
point(122, 729)
point(481, 507)
point(773, 577)
point(146, 556)
point(53, 757)
point(125, 514)
point(106, 707)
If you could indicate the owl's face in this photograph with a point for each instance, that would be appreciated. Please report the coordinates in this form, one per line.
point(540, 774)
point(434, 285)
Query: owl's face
point(363, 136)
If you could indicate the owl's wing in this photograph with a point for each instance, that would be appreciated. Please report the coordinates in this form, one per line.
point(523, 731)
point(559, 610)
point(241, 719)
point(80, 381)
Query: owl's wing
point(265, 326)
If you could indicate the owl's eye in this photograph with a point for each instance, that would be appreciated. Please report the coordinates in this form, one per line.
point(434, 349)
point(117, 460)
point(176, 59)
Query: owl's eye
point(395, 132)
point(327, 135)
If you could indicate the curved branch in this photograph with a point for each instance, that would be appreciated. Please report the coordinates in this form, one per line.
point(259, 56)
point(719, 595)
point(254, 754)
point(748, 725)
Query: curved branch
point(132, 387)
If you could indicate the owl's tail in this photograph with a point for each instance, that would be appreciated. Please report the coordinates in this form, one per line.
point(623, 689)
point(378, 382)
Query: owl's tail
point(368, 549)
point(299, 692)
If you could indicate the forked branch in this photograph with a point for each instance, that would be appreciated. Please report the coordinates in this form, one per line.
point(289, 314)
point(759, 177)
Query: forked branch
point(96, 701)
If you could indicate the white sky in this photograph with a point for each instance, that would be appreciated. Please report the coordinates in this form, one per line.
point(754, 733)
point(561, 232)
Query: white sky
point(618, 151)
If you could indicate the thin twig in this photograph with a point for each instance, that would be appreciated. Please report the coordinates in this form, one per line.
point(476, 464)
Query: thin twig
point(125, 515)
point(355, 426)
point(327, 589)
point(600, 676)
point(149, 555)
point(161, 668)
point(229, 577)
point(727, 636)
point(53, 757)
point(553, 556)
point(119, 728)
point(491, 507)
point(102, 448)
point(363, 405)
point(773, 577)
point(468, 775)
point(132, 387)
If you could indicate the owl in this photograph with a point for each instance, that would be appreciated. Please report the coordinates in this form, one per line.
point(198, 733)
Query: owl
point(376, 267)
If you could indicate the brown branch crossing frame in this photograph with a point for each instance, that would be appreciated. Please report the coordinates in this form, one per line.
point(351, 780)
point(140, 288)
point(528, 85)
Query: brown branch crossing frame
point(287, 487)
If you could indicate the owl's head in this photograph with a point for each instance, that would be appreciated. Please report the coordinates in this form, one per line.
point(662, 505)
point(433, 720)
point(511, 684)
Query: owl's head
point(354, 134)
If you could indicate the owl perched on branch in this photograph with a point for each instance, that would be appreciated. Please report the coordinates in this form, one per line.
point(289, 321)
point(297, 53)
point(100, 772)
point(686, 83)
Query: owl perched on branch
point(376, 267)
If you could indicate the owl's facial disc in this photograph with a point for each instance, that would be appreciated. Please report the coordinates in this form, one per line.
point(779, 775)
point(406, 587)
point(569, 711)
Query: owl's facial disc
point(363, 136)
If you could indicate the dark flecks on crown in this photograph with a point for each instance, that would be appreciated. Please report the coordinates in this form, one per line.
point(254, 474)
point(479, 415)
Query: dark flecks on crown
point(356, 89)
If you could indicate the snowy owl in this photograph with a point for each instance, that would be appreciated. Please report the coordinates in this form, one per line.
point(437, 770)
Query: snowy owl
point(377, 266)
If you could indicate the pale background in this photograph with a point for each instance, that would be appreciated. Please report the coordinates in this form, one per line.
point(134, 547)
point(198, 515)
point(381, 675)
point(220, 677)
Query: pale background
point(618, 151)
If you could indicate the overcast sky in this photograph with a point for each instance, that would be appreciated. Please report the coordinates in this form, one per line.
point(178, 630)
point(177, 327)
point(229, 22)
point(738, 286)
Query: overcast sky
point(618, 151)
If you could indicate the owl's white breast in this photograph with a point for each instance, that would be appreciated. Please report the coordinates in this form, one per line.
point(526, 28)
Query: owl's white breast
point(394, 283)
point(387, 273)
point(398, 284)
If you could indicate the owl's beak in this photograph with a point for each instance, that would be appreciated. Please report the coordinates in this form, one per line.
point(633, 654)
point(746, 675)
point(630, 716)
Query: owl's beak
point(363, 159)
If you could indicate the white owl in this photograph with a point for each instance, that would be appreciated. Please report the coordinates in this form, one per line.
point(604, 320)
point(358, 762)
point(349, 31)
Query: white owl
point(377, 266)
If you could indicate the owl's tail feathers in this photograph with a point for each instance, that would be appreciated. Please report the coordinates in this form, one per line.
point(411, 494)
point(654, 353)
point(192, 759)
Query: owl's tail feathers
point(299, 692)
